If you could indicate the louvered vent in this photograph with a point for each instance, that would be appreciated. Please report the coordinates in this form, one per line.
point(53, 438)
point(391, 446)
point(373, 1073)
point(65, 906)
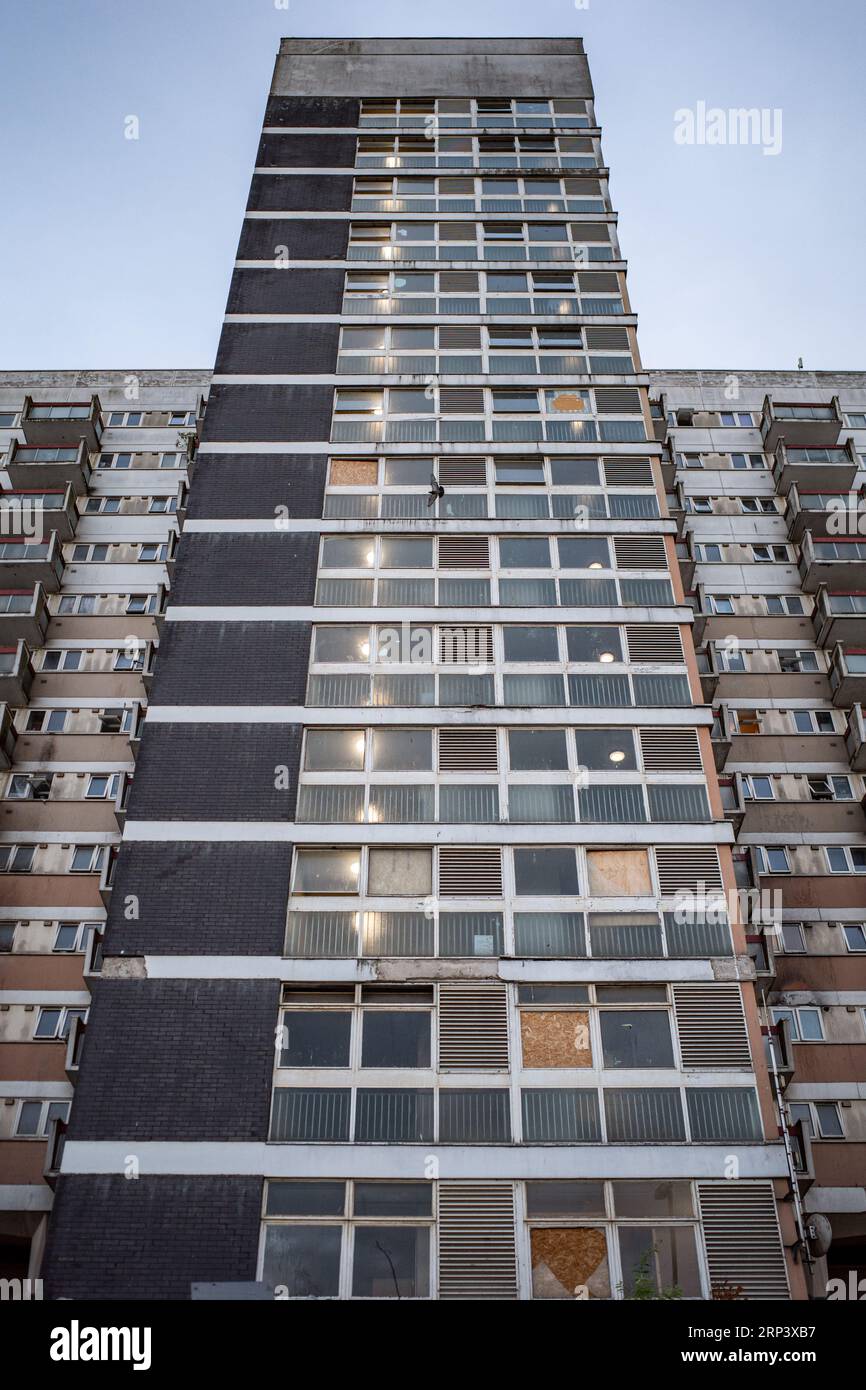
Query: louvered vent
point(477, 1257)
point(458, 282)
point(465, 646)
point(598, 282)
point(462, 472)
point(601, 338)
point(458, 400)
point(741, 1234)
point(460, 337)
point(468, 750)
point(684, 870)
point(617, 400)
point(457, 231)
point(464, 553)
point(628, 473)
point(470, 871)
point(671, 750)
point(590, 231)
point(654, 642)
point(473, 1027)
point(711, 1026)
point(640, 553)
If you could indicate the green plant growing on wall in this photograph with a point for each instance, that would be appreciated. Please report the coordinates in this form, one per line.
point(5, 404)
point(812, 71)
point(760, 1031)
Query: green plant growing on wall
point(644, 1284)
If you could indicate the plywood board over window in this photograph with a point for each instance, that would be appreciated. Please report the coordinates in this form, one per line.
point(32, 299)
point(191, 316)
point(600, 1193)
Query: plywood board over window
point(555, 1039)
point(619, 873)
point(354, 472)
point(567, 1260)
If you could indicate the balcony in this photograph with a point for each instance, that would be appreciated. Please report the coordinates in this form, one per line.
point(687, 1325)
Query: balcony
point(687, 562)
point(778, 1042)
point(839, 617)
point(847, 676)
point(814, 469)
point(721, 737)
point(23, 614)
point(8, 737)
point(62, 422)
point(810, 511)
point(837, 562)
point(855, 738)
point(24, 563)
point(798, 819)
point(39, 512)
point(16, 675)
point(801, 425)
point(35, 468)
point(760, 948)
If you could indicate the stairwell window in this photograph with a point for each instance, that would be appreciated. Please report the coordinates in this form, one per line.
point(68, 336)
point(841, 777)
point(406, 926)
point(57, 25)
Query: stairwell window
point(805, 1024)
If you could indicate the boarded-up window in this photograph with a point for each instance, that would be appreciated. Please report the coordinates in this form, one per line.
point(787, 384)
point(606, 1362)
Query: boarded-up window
point(399, 873)
point(569, 1262)
point(354, 472)
point(618, 873)
point(555, 1038)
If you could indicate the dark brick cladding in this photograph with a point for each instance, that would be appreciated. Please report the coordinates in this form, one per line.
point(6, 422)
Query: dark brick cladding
point(278, 569)
point(265, 348)
point(177, 1060)
point(313, 111)
point(307, 152)
point(288, 291)
point(150, 1238)
point(213, 772)
point(306, 238)
point(232, 664)
point(198, 898)
point(300, 193)
point(268, 413)
point(252, 486)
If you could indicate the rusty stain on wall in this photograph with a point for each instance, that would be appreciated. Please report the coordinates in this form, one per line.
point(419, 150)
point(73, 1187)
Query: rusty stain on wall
point(555, 1039)
point(568, 1258)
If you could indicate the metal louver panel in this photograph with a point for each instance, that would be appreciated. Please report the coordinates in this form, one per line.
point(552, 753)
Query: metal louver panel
point(457, 231)
point(459, 337)
point(616, 400)
point(640, 553)
point(470, 871)
point(462, 472)
point(468, 750)
point(627, 472)
point(464, 553)
point(741, 1235)
point(654, 642)
point(682, 870)
point(600, 338)
point(459, 400)
point(465, 646)
point(473, 1027)
point(458, 281)
point(477, 1257)
point(599, 282)
point(671, 750)
point(711, 1026)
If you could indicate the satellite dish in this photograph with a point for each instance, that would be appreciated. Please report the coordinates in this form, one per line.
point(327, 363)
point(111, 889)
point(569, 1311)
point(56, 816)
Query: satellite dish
point(820, 1233)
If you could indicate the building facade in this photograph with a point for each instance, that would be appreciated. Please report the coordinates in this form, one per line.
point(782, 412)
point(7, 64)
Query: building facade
point(95, 472)
point(423, 974)
point(764, 474)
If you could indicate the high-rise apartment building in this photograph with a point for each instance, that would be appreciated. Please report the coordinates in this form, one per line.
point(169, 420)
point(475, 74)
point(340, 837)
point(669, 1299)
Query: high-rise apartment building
point(423, 974)
point(94, 478)
point(765, 476)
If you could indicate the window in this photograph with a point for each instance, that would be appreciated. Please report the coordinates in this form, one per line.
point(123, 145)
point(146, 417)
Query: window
point(86, 859)
point(326, 1239)
point(342, 644)
point(793, 938)
point(721, 603)
point(829, 788)
point(843, 860)
point(821, 1118)
point(334, 750)
point(7, 937)
point(531, 644)
point(605, 750)
point(805, 1025)
point(524, 553)
point(30, 787)
point(758, 788)
point(545, 872)
point(770, 554)
point(855, 936)
point(808, 721)
point(590, 553)
point(327, 871)
point(738, 419)
point(773, 859)
point(594, 644)
point(790, 604)
point(71, 936)
point(537, 750)
point(402, 750)
point(797, 662)
point(55, 660)
point(35, 1117)
point(633, 1039)
point(398, 873)
point(16, 859)
point(54, 1024)
point(762, 506)
point(103, 788)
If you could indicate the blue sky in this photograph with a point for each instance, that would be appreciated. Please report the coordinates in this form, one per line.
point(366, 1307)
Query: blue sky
point(117, 253)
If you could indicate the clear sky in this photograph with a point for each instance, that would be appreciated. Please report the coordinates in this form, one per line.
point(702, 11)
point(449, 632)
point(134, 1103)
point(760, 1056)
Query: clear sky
point(118, 252)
